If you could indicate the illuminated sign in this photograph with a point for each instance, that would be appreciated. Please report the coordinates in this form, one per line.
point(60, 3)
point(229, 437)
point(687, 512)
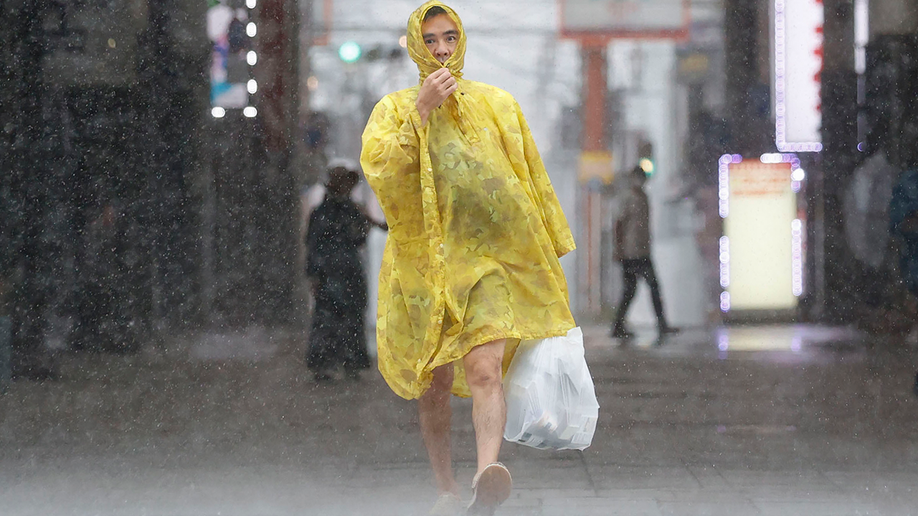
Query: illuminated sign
point(798, 41)
point(762, 248)
point(231, 30)
point(625, 18)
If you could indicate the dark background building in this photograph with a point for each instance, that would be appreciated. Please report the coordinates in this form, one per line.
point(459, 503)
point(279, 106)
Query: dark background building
point(126, 207)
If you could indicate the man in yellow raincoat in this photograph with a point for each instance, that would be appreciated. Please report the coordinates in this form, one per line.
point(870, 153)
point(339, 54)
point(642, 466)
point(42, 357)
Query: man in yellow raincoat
point(471, 262)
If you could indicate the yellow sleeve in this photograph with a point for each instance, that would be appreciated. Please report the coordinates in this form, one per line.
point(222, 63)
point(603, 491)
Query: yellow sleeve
point(390, 141)
point(552, 215)
point(390, 159)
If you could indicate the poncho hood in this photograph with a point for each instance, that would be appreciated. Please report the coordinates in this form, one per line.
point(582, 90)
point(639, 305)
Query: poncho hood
point(427, 63)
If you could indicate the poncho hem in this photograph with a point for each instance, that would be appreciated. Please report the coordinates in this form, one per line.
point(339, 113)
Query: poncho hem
point(426, 376)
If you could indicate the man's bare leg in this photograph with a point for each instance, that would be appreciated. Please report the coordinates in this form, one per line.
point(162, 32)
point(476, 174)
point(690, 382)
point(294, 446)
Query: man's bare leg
point(489, 411)
point(435, 413)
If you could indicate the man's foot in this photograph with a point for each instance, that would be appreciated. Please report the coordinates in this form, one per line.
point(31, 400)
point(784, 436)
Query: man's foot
point(490, 488)
point(448, 504)
point(323, 377)
point(620, 332)
point(667, 329)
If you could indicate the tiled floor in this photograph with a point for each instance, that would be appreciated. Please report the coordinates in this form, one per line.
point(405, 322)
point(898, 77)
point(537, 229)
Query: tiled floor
point(789, 420)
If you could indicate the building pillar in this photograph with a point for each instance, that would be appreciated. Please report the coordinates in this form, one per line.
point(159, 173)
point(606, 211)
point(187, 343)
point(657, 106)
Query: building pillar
point(746, 38)
point(595, 165)
point(837, 292)
point(278, 210)
point(26, 259)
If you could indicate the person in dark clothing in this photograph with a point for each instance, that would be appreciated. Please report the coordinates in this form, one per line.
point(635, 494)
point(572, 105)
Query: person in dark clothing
point(903, 223)
point(337, 231)
point(632, 249)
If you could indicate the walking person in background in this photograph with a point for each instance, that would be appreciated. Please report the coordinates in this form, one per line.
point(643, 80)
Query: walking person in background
point(471, 264)
point(632, 249)
point(337, 231)
point(903, 225)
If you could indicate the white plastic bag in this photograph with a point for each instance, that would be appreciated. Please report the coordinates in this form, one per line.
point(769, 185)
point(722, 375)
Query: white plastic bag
point(551, 403)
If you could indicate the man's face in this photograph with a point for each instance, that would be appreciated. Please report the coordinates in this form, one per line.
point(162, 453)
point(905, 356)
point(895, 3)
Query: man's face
point(441, 36)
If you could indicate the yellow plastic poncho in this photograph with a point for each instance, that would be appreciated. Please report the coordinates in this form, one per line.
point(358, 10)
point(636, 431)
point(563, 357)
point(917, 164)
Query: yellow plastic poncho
point(475, 228)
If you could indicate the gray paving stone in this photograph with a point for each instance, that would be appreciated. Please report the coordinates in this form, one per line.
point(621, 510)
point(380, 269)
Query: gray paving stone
point(709, 508)
point(828, 429)
point(822, 509)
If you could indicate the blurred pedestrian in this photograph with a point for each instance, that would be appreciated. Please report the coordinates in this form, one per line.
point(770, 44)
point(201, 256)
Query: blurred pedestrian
point(903, 224)
point(632, 249)
point(471, 264)
point(5, 348)
point(337, 231)
point(107, 317)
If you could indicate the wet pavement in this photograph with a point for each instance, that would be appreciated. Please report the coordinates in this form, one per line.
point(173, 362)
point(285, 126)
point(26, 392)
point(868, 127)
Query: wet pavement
point(778, 420)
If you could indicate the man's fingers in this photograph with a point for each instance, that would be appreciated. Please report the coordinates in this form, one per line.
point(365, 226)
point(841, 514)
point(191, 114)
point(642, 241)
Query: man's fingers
point(437, 87)
point(441, 76)
point(434, 78)
point(441, 73)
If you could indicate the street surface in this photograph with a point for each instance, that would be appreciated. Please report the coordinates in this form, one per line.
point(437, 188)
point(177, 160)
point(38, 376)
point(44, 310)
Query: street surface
point(777, 420)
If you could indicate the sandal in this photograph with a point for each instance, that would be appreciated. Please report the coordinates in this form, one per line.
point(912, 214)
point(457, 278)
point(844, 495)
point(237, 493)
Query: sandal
point(490, 488)
point(448, 504)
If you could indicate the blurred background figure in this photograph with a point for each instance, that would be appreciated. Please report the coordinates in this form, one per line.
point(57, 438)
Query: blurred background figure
point(903, 224)
point(5, 372)
point(338, 229)
point(106, 313)
point(632, 249)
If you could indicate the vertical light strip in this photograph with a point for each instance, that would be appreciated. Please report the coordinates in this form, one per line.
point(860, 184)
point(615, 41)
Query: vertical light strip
point(723, 194)
point(797, 257)
point(251, 58)
point(724, 302)
point(723, 340)
point(780, 69)
point(723, 185)
point(861, 34)
point(724, 257)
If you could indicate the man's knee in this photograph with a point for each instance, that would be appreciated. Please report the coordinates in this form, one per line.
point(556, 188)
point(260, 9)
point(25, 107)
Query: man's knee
point(483, 365)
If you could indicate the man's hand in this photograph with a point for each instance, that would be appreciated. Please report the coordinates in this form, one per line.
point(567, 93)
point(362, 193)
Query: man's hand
point(434, 90)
